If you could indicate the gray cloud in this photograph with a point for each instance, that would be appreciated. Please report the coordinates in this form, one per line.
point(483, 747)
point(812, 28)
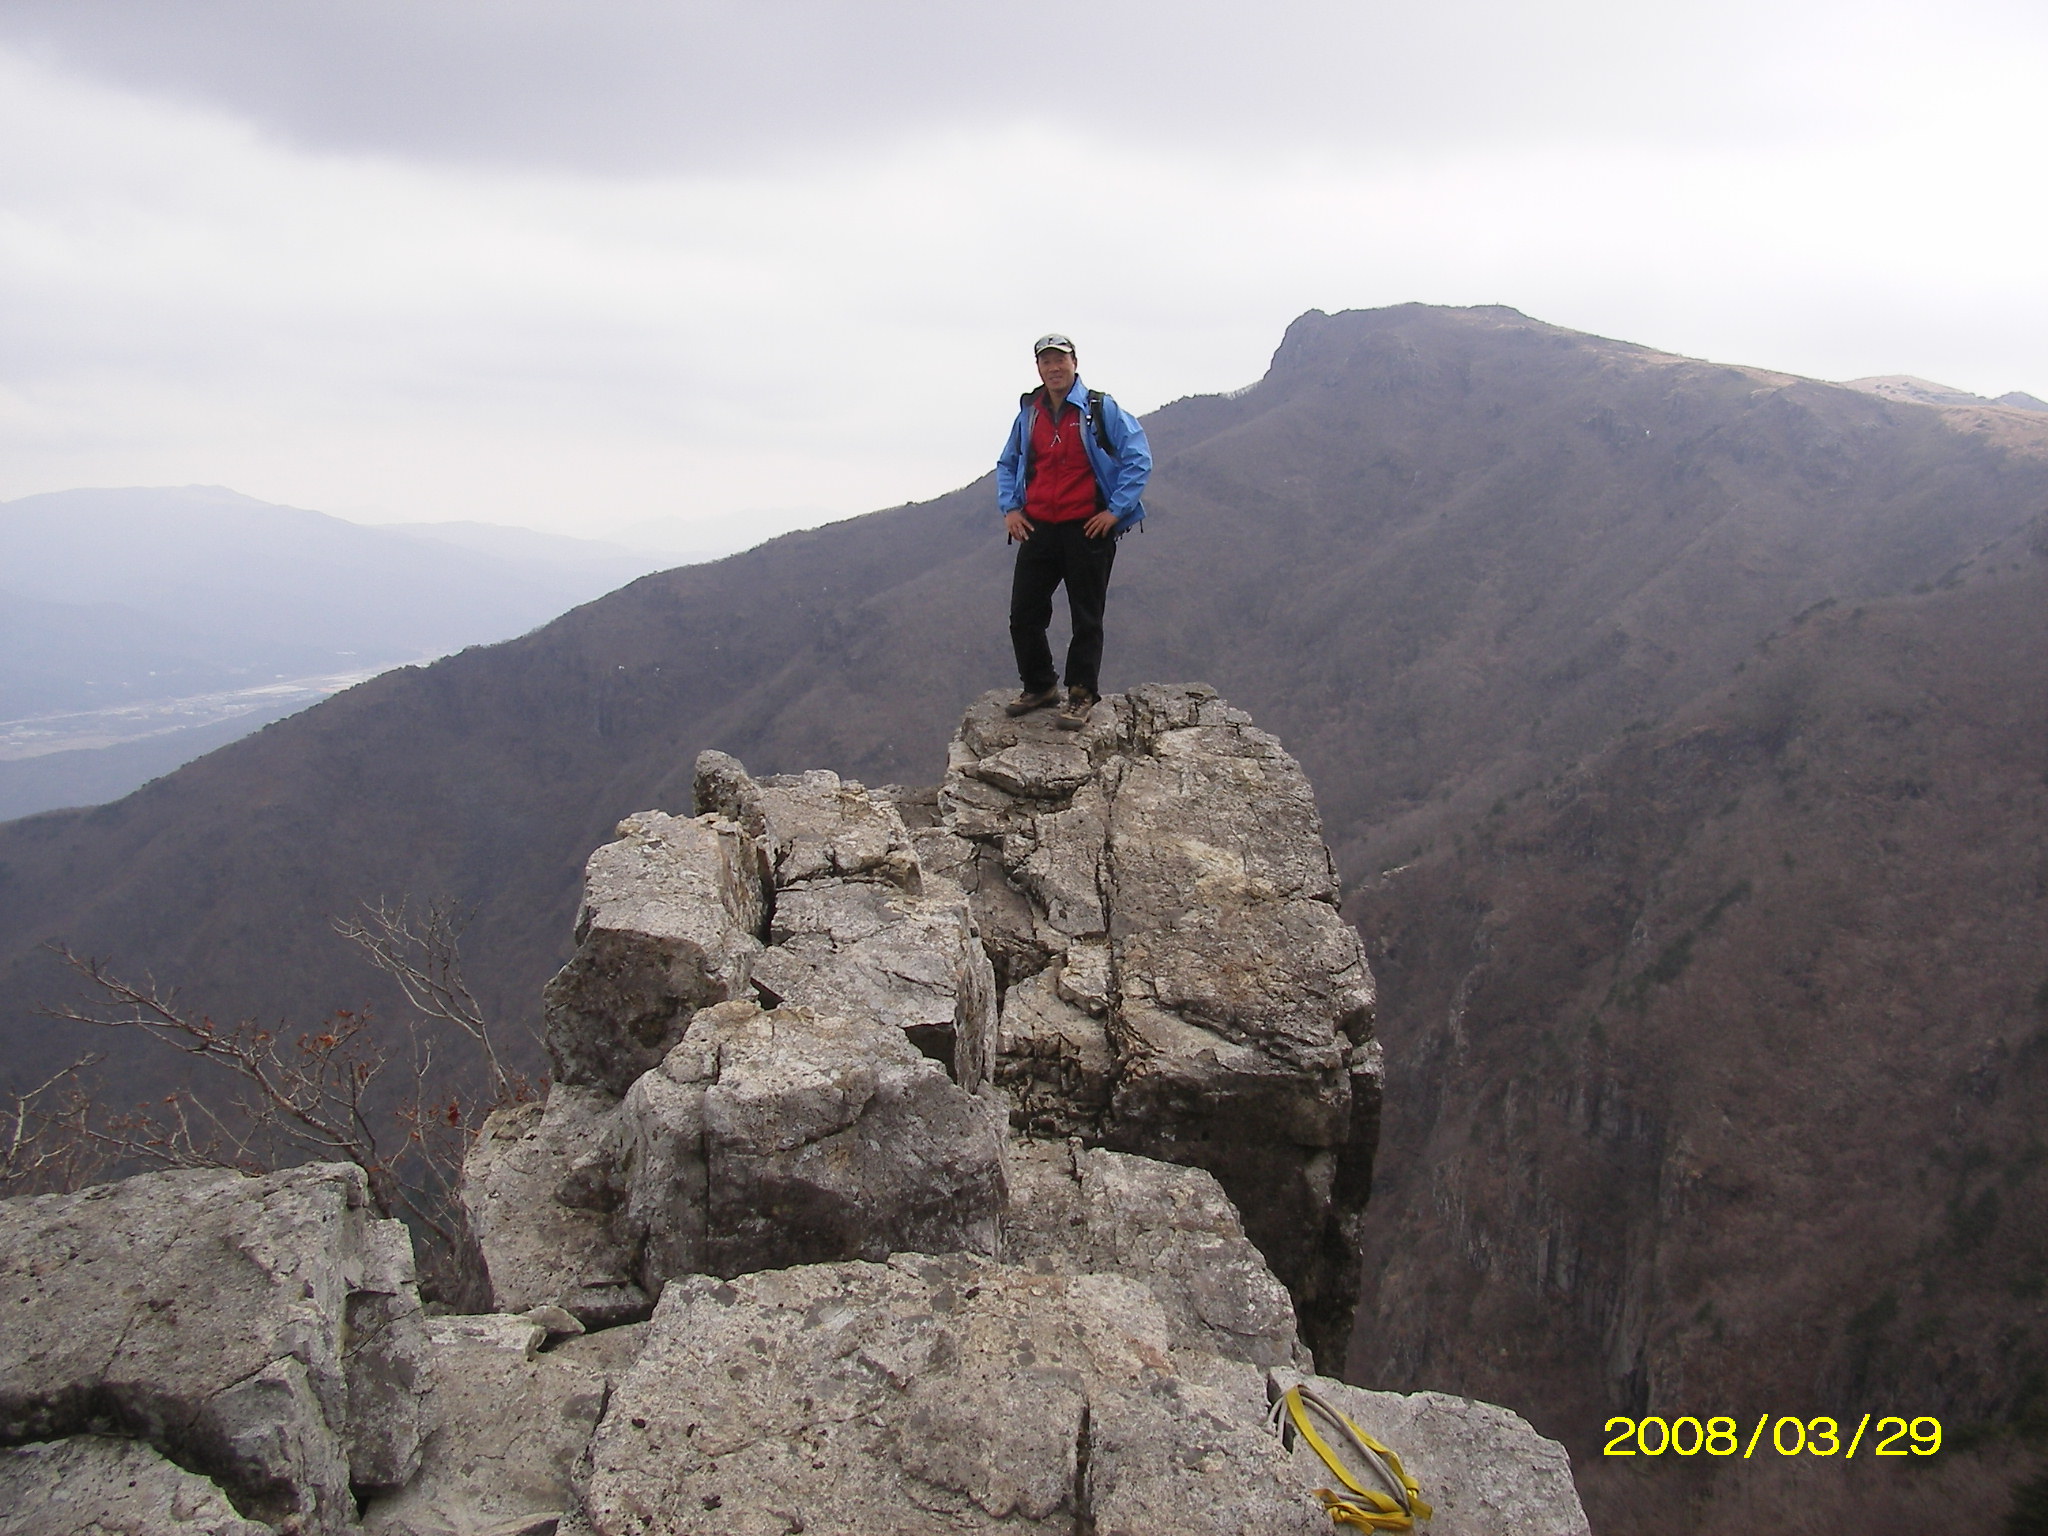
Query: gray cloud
point(580, 266)
point(630, 86)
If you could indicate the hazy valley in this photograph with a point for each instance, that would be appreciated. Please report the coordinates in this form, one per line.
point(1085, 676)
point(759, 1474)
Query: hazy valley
point(142, 628)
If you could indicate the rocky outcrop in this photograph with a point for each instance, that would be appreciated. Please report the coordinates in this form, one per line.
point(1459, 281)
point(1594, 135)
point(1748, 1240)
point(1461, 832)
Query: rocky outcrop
point(763, 1139)
point(923, 1253)
point(671, 922)
point(265, 1333)
point(956, 1394)
point(695, 1131)
point(1156, 894)
point(1130, 929)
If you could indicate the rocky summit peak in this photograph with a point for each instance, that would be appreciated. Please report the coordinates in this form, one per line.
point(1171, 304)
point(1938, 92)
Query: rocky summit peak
point(979, 1158)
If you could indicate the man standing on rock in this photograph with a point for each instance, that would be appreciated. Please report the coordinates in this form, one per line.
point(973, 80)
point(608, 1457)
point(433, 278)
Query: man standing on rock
point(1067, 484)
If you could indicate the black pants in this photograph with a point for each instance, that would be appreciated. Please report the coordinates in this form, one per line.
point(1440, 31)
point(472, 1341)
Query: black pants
point(1055, 553)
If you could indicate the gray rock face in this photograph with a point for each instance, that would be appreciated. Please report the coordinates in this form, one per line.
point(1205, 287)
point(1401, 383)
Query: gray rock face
point(811, 826)
point(864, 950)
point(93, 1485)
point(1170, 1228)
point(1054, 1059)
point(1157, 897)
point(809, 1133)
point(855, 932)
point(384, 1360)
point(265, 1331)
point(787, 1137)
point(540, 1189)
point(763, 1139)
point(673, 915)
point(928, 1395)
point(507, 1425)
point(957, 1394)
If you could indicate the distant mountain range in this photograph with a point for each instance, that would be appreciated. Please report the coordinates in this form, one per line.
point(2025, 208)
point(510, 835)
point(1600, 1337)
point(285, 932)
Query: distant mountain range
point(1679, 730)
point(140, 628)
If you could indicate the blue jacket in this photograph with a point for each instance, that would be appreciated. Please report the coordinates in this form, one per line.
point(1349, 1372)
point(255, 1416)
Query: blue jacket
point(1121, 478)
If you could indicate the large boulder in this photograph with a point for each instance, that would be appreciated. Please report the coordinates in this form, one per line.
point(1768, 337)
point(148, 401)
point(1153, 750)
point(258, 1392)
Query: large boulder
point(762, 1139)
point(264, 1332)
point(540, 1190)
point(933, 1395)
point(673, 915)
point(1079, 1210)
point(956, 1394)
point(506, 1426)
point(96, 1485)
point(1157, 899)
point(789, 1137)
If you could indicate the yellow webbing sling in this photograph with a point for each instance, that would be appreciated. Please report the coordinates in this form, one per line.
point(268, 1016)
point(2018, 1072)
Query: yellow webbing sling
point(1363, 1508)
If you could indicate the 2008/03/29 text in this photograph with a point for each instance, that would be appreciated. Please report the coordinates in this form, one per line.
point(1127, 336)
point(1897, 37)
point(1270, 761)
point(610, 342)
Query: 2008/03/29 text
point(1722, 1436)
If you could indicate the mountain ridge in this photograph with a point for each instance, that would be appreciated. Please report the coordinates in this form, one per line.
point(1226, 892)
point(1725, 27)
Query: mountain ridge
point(1451, 557)
point(1406, 605)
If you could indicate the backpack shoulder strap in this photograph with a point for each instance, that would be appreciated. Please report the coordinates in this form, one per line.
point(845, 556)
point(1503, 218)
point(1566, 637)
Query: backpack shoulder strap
point(1100, 417)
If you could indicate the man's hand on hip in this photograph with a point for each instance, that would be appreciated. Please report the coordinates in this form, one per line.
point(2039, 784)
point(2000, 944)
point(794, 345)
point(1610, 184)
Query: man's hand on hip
point(1017, 525)
point(1099, 525)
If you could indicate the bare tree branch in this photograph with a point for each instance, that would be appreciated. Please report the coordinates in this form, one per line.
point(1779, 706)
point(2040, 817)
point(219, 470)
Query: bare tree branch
point(305, 1092)
point(353, 1089)
point(422, 953)
point(37, 1144)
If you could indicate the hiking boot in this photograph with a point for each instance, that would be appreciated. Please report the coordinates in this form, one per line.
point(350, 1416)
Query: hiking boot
point(1027, 701)
point(1074, 713)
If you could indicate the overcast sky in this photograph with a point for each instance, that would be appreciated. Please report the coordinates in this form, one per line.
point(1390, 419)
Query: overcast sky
point(576, 265)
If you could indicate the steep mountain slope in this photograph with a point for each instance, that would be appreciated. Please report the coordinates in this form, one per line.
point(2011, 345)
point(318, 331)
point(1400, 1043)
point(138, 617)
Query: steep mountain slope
point(1444, 552)
point(95, 775)
point(1717, 1068)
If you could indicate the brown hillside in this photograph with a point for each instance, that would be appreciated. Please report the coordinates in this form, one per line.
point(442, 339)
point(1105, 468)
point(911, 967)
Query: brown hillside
point(1442, 552)
point(1716, 1073)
